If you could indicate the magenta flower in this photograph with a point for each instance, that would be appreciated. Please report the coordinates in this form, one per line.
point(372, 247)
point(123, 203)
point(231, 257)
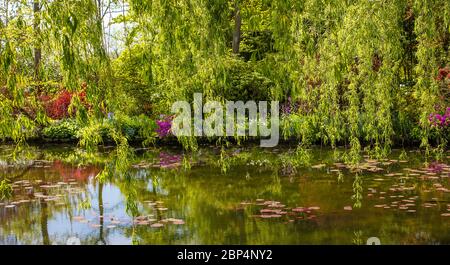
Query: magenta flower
point(441, 120)
point(164, 126)
point(288, 107)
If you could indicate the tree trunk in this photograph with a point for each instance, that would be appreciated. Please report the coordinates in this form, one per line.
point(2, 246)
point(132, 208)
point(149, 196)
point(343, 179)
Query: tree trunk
point(100, 21)
point(6, 12)
point(237, 29)
point(37, 48)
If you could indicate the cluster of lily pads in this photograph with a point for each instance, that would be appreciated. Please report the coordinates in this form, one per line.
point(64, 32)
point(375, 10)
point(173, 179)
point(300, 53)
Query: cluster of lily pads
point(274, 209)
point(400, 196)
point(165, 160)
point(38, 191)
point(152, 220)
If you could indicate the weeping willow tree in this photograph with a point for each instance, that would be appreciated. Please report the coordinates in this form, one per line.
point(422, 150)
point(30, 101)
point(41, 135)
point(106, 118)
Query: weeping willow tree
point(62, 43)
point(355, 68)
point(432, 30)
point(357, 72)
point(69, 37)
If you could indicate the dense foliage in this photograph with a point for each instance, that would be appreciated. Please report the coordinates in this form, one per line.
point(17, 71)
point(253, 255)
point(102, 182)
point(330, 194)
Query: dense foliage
point(356, 72)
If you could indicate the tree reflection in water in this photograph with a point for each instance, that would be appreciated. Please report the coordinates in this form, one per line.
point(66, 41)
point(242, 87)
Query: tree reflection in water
point(209, 203)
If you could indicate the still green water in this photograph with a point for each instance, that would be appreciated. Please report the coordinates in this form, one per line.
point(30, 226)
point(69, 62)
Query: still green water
point(261, 199)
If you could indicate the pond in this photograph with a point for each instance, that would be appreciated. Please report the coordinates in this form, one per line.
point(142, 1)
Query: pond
point(260, 198)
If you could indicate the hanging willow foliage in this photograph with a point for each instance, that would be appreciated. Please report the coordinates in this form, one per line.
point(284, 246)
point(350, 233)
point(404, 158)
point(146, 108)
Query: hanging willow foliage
point(360, 72)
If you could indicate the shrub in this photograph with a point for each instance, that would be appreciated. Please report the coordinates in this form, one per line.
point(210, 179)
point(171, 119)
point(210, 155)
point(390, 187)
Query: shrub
point(62, 130)
point(58, 108)
point(243, 81)
point(164, 126)
point(135, 127)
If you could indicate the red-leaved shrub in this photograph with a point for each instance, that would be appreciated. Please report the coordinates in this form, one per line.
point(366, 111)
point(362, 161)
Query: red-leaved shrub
point(443, 73)
point(58, 107)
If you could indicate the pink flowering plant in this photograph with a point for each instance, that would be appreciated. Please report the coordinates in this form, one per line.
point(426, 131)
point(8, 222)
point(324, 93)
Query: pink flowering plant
point(164, 125)
point(440, 120)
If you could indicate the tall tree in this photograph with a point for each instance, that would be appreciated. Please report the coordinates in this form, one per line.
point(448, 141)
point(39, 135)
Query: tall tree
point(237, 28)
point(37, 48)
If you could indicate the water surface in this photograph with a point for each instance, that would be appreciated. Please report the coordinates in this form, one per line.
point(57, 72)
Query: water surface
point(261, 199)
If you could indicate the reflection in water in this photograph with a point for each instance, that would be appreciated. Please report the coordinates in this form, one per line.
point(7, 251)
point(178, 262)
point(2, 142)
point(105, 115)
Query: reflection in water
point(101, 214)
point(44, 224)
point(261, 199)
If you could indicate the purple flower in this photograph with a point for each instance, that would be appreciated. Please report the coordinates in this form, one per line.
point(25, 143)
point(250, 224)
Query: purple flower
point(440, 118)
point(110, 115)
point(164, 126)
point(288, 107)
point(437, 119)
